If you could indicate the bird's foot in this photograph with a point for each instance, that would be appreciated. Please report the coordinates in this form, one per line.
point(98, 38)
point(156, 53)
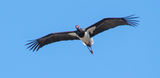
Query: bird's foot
point(91, 51)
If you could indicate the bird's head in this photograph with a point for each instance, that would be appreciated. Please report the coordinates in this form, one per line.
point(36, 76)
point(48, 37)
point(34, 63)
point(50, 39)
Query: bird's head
point(77, 27)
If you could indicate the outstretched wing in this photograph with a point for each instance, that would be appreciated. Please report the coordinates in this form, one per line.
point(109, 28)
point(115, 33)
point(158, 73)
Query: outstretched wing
point(108, 23)
point(50, 38)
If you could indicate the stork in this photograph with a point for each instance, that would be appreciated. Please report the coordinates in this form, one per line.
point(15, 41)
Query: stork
point(83, 34)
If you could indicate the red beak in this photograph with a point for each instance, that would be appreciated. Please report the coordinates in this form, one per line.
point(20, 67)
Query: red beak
point(77, 26)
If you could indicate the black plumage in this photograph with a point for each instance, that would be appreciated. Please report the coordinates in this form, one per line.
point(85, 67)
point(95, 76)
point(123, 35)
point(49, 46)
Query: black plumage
point(100, 26)
point(50, 38)
point(108, 23)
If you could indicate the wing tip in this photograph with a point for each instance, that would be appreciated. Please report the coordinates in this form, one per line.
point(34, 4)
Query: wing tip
point(33, 45)
point(131, 20)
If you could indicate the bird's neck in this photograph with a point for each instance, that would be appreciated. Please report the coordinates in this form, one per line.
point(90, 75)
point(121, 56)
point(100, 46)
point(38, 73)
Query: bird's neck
point(80, 33)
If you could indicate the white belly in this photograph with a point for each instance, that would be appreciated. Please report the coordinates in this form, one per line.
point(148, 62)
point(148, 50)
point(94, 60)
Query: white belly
point(87, 40)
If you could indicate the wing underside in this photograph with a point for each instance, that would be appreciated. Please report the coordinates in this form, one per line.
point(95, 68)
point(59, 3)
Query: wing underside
point(51, 38)
point(108, 23)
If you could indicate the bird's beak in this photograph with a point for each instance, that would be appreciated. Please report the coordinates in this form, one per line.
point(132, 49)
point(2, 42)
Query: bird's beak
point(77, 27)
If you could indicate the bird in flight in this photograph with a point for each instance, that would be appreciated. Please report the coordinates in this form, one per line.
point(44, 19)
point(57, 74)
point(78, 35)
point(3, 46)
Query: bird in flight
point(83, 34)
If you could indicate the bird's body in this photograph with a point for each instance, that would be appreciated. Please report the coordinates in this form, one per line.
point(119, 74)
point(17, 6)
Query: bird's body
point(84, 34)
point(86, 39)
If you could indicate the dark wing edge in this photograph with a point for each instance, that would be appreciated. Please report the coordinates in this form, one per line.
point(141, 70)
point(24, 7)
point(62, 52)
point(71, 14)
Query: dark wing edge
point(108, 23)
point(36, 44)
point(131, 20)
point(33, 45)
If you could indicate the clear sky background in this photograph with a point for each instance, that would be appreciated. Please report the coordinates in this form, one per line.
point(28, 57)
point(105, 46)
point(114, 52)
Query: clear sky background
point(122, 52)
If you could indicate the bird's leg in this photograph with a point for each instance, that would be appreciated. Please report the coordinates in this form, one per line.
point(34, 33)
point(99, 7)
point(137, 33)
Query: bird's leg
point(90, 49)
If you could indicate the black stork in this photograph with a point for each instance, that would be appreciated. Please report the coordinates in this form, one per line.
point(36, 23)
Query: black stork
point(84, 34)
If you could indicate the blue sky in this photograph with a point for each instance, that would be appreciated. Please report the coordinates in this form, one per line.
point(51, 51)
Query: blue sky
point(122, 52)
